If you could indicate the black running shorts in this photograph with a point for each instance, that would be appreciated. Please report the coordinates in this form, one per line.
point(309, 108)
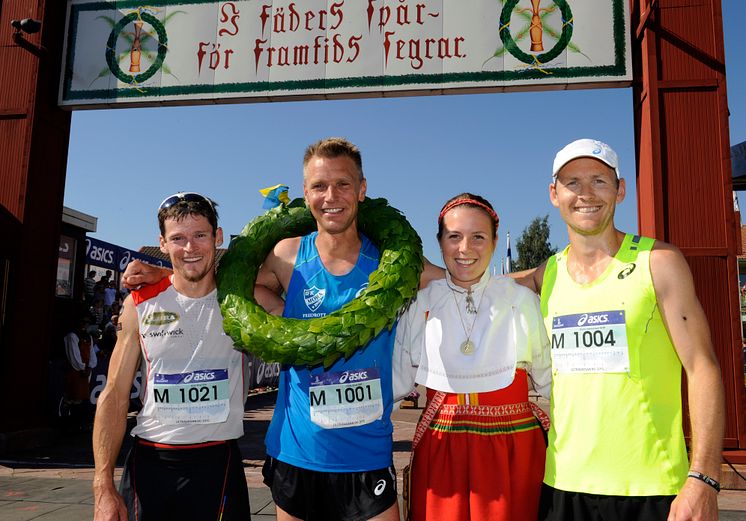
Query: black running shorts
point(329, 496)
point(558, 505)
point(200, 482)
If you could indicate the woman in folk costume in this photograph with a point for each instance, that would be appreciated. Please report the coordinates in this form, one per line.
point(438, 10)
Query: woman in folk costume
point(475, 342)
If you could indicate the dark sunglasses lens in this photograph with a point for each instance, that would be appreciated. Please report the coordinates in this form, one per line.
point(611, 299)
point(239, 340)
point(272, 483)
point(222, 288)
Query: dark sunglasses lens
point(168, 203)
point(194, 198)
point(189, 197)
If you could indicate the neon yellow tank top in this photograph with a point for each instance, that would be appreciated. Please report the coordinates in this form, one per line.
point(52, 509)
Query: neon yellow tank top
point(616, 389)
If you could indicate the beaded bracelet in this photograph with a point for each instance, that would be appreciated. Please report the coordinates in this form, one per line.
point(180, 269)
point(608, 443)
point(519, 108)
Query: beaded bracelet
point(705, 479)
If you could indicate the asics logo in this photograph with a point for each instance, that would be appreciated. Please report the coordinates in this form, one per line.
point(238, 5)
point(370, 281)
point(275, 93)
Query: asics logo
point(593, 319)
point(199, 376)
point(628, 269)
point(380, 487)
point(354, 376)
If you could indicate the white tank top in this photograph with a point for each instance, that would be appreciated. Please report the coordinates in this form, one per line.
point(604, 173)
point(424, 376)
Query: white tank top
point(195, 381)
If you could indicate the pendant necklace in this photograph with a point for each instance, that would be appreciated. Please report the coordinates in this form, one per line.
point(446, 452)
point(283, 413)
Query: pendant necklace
point(467, 346)
point(470, 307)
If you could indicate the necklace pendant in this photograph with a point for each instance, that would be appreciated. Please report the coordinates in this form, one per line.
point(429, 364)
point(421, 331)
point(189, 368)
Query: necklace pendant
point(467, 347)
point(470, 307)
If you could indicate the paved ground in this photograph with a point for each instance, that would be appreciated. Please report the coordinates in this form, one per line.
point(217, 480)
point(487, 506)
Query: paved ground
point(54, 483)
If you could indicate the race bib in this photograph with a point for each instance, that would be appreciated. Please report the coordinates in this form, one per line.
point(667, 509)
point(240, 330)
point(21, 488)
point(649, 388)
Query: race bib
point(194, 397)
point(345, 399)
point(590, 343)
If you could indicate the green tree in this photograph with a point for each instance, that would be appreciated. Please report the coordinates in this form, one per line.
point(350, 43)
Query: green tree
point(533, 245)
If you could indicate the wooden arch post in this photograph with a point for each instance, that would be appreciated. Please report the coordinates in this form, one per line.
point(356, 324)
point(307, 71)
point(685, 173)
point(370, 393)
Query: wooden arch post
point(34, 136)
point(683, 157)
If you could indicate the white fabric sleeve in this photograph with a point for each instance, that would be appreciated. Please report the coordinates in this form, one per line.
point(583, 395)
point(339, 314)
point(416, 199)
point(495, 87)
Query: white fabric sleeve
point(541, 360)
point(407, 352)
point(72, 351)
point(93, 360)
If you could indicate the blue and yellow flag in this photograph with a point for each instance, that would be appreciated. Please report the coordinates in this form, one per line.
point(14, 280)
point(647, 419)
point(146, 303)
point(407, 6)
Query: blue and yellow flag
point(508, 259)
point(275, 196)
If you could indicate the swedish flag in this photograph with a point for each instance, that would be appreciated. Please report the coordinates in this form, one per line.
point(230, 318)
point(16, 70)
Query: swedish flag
point(508, 259)
point(275, 196)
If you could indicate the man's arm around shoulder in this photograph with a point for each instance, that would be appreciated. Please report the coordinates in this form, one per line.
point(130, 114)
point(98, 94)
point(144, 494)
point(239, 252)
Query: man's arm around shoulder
point(138, 273)
point(531, 278)
point(430, 272)
point(690, 333)
point(111, 416)
point(273, 277)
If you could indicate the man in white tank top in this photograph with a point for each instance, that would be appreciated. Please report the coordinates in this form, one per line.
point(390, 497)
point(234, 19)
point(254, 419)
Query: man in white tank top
point(185, 454)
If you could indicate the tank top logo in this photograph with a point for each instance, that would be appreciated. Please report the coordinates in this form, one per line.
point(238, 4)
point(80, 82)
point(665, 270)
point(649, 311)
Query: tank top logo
point(314, 297)
point(627, 271)
point(160, 318)
point(360, 291)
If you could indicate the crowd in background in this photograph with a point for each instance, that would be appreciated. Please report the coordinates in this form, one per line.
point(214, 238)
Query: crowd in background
point(88, 343)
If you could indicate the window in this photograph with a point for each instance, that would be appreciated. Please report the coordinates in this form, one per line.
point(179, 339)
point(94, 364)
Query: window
point(66, 267)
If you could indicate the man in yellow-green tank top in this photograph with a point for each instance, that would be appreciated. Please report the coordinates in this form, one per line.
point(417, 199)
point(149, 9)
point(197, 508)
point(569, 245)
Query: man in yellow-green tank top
point(623, 319)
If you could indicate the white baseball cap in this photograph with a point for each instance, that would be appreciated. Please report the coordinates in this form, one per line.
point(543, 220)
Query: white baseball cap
point(586, 148)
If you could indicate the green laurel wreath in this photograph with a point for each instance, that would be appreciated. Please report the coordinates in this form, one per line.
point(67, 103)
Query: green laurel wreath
point(111, 44)
point(339, 334)
point(552, 53)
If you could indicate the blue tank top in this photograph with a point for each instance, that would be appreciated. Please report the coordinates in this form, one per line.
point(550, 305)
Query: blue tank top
point(339, 419)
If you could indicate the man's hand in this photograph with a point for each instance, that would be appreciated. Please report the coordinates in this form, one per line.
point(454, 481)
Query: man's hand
point(109, 505)
point(139, 273)
point(532, 278)
point(274, 275)
point(269, 300)
point(696, 501)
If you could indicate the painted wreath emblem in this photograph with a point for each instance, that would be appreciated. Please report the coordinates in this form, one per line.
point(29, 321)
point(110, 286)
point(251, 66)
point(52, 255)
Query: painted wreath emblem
point(512, 47)
point(138, 18)
point(533, 24)
point(339, 334)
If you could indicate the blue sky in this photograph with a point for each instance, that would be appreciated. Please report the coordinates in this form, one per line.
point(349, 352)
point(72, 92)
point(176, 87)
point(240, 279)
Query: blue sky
point(417, 152)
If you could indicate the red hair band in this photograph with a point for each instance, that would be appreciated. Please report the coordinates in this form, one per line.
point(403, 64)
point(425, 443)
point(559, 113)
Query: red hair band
point(459, 202)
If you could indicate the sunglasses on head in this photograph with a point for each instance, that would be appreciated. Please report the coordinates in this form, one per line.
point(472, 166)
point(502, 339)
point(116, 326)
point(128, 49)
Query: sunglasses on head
point(190, 197)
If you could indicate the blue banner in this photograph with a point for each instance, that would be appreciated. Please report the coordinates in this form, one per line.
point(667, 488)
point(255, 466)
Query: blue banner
point(115, 258)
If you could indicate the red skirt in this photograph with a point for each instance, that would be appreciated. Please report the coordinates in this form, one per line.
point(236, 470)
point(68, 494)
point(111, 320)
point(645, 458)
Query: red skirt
point(481, 458)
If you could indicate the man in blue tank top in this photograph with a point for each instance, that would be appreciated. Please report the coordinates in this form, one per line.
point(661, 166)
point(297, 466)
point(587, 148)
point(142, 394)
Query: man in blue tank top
point(330, 441)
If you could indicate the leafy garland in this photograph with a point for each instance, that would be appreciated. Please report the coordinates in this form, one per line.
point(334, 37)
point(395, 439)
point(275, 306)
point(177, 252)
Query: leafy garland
point(339, 334)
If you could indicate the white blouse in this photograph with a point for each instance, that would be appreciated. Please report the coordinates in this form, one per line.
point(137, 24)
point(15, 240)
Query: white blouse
point(507, 332)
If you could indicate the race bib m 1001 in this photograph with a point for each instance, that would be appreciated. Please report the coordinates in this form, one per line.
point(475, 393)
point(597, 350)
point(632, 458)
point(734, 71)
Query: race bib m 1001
point(346, 399)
